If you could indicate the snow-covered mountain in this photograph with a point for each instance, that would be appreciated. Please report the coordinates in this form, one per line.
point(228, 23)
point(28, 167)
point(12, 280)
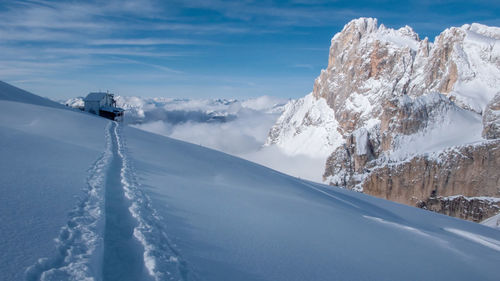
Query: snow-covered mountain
point(405, 119)
point(84, 198)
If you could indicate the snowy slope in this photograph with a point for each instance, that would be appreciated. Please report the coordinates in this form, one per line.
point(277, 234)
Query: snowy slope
point(448, 125)
point(178, 211)
point(478, 61)
point(11, 93)
point(237, 220)
point(44, 157)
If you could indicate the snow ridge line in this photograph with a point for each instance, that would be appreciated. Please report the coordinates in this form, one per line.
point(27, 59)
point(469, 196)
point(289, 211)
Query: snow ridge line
point(80, 242)
point(162, 260)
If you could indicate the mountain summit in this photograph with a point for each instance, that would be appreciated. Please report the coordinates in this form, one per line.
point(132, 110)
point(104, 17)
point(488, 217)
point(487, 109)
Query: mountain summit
point(406, 119)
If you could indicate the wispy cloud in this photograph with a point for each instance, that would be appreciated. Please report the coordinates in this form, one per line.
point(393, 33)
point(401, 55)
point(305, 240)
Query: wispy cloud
point(272, 13)
point(149, 41)
point(141, 52)
point(204, 28)
point(42, 39)
point(160, 67)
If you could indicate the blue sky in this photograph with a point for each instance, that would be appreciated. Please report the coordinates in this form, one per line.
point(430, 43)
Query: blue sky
point(197, 48)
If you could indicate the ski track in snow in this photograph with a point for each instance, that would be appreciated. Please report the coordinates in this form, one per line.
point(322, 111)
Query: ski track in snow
point(162, 260)
point(122, 254)
point(80, 244)
point(80, 240)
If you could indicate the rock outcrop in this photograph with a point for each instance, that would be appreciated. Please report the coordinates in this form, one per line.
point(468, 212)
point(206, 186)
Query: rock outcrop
point(470, 171)
point(406, 119)
point(475, 209)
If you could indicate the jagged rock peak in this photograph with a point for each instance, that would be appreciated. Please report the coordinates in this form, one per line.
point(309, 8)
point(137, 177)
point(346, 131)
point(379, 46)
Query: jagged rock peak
point(368, 27)
point(388, 97)
point(370, 64)
point(361, 25)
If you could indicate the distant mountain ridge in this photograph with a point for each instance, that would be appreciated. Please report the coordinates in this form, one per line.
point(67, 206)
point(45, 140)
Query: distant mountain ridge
point(405, 119)
point(174, 110)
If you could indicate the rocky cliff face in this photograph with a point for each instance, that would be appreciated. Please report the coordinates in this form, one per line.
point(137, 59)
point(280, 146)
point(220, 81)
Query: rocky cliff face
point(403, 118)
point(429, 181)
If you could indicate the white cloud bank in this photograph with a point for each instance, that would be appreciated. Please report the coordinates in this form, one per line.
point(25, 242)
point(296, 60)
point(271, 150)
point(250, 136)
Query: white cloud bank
point(236, 127)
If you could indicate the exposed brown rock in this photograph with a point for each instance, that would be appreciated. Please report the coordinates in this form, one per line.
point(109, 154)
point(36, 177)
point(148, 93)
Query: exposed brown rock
point(470, 171)
point(352, 62)
point(375, 61)
point(440, 70)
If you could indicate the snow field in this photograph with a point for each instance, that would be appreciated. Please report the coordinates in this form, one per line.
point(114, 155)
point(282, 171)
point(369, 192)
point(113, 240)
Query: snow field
point(198, 214)
point(232, 219)
point(45, 155)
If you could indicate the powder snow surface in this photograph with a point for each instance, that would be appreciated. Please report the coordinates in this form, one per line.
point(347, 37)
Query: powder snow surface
point(198, 214)
point(44, 157)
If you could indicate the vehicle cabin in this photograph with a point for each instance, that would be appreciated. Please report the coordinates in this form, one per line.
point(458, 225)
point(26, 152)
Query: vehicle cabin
point(103, 104)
